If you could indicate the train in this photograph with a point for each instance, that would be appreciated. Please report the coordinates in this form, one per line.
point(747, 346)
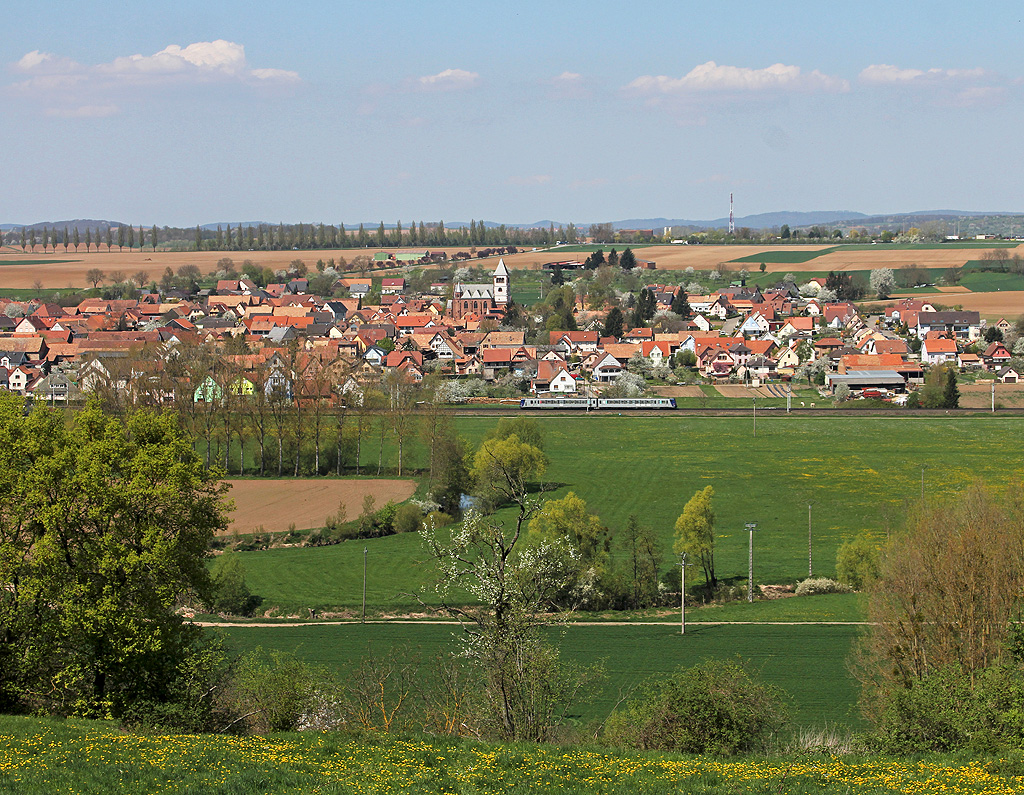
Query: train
point(597, 404)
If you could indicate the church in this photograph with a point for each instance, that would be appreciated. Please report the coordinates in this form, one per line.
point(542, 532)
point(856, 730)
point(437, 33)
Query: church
point(483, 299)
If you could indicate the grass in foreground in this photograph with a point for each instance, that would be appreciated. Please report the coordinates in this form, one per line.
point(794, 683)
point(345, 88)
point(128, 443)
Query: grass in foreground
point(807, 661)
point(79, 757)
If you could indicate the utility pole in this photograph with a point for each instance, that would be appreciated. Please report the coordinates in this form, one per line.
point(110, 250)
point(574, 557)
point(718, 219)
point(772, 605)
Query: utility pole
point(922, 484)
point(363, 619)
point(753, 402)
point(682, 592)
point(810, 556)
point(993, 396)
point(751, 527)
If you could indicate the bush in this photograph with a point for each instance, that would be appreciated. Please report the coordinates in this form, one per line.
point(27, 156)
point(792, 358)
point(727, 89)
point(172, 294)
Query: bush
point(716, 707)
point(857, 562)
point(231, 594)
point(815, 586)
point(408, 519)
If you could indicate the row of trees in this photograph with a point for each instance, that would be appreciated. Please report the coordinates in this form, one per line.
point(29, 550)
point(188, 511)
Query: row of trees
point(121, 236)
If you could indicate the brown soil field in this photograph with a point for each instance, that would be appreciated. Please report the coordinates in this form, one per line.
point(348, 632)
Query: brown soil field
point(736, 391)
point(13, 274)
point(992, 306)
point(979, 396)
point(679, 391)
point(274, 505)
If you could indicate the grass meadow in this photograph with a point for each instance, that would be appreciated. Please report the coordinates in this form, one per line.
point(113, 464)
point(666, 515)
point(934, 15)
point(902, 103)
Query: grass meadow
point(859, 474)
point(42, 757)
point(807, 661)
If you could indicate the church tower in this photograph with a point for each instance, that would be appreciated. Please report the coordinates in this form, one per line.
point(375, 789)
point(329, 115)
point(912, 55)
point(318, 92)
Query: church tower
point(501, 285)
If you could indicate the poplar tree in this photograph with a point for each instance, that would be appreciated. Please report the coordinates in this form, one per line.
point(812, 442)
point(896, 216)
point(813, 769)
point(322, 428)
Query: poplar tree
point(199, 238)
point(131, 237)
point(121, 237)
point(66, 241)
point(110, 239)
point(153, 237)
point(260, 237)
point(88, 239)
point(77, 240)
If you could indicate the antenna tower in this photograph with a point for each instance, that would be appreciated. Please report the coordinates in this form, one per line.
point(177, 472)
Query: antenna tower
point(732, 223)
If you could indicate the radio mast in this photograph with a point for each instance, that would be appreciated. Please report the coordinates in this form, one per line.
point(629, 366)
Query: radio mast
point(732, 223)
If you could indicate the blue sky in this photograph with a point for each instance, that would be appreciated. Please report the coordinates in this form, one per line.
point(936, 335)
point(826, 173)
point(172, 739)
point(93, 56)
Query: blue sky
point(195, 112)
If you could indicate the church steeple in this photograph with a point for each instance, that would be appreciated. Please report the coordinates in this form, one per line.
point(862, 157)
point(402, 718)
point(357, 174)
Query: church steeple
point(500, 282)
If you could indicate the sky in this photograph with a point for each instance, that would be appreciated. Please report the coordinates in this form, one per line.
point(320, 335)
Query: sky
point(178, 113)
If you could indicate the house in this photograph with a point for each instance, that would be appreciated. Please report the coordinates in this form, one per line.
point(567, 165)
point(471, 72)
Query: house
point(553, 377)
point(392, 286)
point(208, 391)
point(1007, 375)
point(969, 361)
point(995, 356)
point(938, 351)
point(607, 368)
point(961, 325)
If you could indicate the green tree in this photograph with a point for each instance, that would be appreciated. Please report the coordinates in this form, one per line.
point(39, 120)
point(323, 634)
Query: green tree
point(120, 237)
point(199, 238)
point(680, 305)
point(628, 260)
point(695, 533)
point(613, 258)
point(109, 238)
point(230, 591)
point(105, 526)
point(153, 238)
point(524, 689)
point(503, 468)
point(950, 390)
point(526, 428)
point(77, 240)
point(613, 323)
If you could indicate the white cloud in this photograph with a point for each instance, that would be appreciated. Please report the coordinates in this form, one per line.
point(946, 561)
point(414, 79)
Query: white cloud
point(535, 179)
point(958, 88)
point(569, 77)
point(712, 77)
point(449, 80)
point(887, 74)
point(56, 77)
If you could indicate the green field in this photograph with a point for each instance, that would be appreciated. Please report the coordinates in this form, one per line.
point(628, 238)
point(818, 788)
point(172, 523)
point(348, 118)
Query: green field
point(861, 473)
point(787, 257)
point(37, 261)
point(986, 281)
point(808, 661)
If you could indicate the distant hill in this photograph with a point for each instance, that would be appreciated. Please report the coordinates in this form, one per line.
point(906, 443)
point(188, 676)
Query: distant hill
point(987, 222)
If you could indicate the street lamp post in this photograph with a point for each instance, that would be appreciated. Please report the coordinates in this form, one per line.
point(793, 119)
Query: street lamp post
point(751, 527)
point(682, 592)
point(363, 619)
point(753, 402)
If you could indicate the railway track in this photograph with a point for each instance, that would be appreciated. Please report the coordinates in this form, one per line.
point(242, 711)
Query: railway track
point(512, 410)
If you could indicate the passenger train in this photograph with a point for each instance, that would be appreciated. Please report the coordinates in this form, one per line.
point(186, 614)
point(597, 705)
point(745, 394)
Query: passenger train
point(596, 404)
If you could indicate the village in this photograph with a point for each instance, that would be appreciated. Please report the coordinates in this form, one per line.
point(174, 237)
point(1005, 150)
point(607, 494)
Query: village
point(460, 330)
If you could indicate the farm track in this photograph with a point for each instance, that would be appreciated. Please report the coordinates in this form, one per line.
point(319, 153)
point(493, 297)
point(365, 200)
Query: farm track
point(511, 411)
